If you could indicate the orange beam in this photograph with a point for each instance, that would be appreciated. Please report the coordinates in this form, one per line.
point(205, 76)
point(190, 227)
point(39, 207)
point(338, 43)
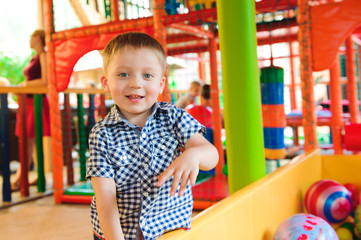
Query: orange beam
point(293, 79)
point(276, 39)
point(136, 24)
point(293, 93)
point(160, 34)
point(202, 45)
point(216, 116)
point(351, 80)
point(336, 106)
point(111, 27)
point(181, 37)
point(201, 70)
point(55, 117)
point(115, 10)
point(193, 17)
point(274, 5)
point(269, 26)
point(308, 106)
point(196, 31)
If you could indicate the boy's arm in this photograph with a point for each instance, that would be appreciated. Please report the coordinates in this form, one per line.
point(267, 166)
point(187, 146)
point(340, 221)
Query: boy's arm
point(198, 154)
point(106, 203)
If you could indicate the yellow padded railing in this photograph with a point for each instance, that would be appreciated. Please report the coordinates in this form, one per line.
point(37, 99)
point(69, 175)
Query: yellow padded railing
point(254, 212)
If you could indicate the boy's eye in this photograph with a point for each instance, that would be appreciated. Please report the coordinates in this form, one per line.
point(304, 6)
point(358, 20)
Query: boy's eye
point(124, 75)
point(148, 75)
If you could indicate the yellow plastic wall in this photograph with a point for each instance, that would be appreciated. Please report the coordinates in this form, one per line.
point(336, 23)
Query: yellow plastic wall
point(342, 168)
point(255, 211)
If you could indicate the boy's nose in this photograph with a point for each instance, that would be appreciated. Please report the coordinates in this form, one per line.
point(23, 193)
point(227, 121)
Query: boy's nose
point(135, 82)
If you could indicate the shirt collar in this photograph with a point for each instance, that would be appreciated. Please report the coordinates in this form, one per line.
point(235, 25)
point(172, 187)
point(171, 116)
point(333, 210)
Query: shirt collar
point(115, 116)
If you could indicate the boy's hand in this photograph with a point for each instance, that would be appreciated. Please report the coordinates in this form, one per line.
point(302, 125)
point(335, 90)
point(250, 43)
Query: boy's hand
point(183, 168)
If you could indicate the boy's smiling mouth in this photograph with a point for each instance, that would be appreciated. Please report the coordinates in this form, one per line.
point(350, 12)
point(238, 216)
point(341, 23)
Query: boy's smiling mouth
point(134, 97)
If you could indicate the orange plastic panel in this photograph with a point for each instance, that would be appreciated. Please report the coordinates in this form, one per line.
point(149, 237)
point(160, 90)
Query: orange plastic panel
point(68, 52)
point(331, 24)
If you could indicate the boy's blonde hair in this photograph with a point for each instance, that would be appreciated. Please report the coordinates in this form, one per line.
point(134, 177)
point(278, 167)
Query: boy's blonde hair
point(133, 40)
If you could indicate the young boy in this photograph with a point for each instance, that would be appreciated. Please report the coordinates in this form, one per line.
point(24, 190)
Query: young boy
point(141, 179)
point(190, 97)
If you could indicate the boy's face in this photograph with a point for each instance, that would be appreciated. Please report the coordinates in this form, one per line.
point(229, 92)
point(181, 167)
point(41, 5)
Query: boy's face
point(134, 78)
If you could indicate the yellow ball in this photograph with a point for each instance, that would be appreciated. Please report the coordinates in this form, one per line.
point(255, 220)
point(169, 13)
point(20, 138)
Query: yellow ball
point(344, 234)
point(349, 219)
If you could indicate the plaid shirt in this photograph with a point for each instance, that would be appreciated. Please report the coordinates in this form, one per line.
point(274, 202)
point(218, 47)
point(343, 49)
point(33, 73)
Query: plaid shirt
point(134, 158)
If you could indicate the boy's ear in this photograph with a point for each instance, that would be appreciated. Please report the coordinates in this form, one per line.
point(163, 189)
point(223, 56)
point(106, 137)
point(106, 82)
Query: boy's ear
point(104, 82)
point(162, 84)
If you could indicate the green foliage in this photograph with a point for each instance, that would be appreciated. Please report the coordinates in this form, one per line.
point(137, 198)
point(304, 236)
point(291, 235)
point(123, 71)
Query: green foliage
point(12, 68)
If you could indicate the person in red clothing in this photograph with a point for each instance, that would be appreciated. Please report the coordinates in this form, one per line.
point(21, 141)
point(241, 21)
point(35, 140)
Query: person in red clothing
point(203, 113)
point(35, 75)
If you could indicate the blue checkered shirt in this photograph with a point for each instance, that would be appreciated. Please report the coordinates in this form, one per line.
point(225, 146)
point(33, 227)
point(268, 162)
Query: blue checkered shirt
point(134, 158)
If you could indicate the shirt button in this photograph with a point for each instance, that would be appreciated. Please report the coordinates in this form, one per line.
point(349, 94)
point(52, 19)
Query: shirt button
point(162, 147)
point(144, 135)
point(125, 157)
point(142, 223)
point(145, 194)
point(146, 166)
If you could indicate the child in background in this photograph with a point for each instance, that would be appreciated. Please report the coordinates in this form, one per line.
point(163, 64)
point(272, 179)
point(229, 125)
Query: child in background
point(202, 113)
point(141, 178)
point(189, 98)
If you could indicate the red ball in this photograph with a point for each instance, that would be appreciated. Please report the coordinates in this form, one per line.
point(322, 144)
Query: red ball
point(329, 200)
point(355, 195)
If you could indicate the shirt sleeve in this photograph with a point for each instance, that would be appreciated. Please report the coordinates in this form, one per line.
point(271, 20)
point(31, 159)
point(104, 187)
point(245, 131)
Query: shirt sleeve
point(98, 164)
point(186, 126)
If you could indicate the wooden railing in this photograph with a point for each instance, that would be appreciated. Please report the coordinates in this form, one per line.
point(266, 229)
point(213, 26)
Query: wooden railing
point(68, 127)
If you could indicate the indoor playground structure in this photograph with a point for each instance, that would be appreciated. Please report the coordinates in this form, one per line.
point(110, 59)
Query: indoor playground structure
point(271, 53)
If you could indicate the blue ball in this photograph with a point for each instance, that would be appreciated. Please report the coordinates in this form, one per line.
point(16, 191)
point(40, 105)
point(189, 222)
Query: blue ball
point(304, 226)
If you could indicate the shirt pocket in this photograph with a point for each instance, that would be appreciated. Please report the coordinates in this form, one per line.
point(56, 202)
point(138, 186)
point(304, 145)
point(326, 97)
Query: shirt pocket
point(163, 152)
point(124, 161)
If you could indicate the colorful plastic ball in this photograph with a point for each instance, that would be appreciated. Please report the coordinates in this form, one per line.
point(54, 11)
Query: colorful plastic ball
point(304, 226)
point(358, 220)
point(329, 200)
point(351, 227)
point(344, 234)
point(355, 195)
point(348, 220)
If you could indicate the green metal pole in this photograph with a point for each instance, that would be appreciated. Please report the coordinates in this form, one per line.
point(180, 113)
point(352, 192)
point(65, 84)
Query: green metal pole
point(38, 102)
point(82, 138)
point(242, 95)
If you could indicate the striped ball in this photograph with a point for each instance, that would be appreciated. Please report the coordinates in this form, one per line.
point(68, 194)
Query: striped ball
point(329, 200)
